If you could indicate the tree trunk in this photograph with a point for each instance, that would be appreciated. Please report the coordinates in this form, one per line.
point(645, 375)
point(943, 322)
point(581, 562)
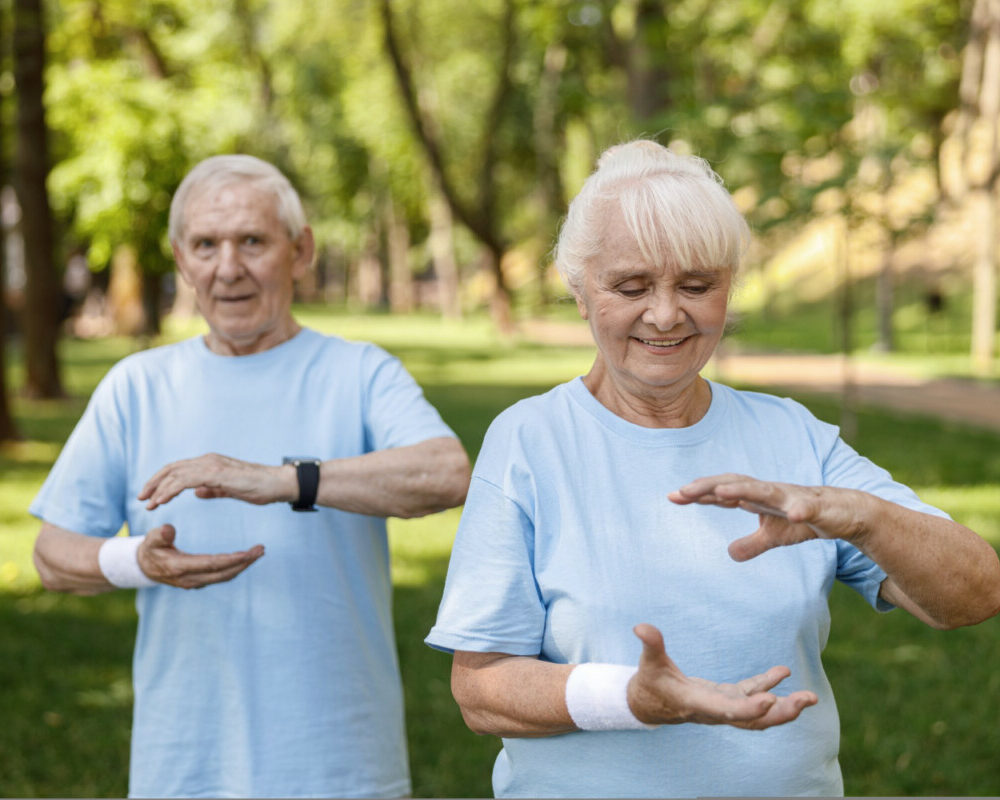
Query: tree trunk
point(885, 296)
point(481, 217)
point(397, 234)
point(442, 247)
point(42, 292)
point(548, 145)
point(125, 293)
point(984, 277)
point(984, 282)
point(8, 430)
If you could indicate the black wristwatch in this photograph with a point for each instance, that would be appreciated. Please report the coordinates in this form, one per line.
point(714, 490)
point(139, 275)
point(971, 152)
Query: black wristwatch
point(307, 472)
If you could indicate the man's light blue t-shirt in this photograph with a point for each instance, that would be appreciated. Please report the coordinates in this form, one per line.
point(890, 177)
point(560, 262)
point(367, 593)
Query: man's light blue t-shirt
point(283, 681)
point(568, 540)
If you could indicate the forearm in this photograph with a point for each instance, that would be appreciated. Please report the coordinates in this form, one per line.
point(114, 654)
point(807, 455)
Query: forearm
point(937, 569)
point(400, 482)
point(68, 562)
point(511, 696)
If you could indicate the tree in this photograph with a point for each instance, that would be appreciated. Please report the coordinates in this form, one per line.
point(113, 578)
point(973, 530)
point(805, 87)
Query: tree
point(8, 430)
point(977, 134)
point(43, 292)
point(480, 214)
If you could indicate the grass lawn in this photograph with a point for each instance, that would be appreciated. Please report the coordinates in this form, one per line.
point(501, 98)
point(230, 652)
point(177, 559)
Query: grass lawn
point(918, 707)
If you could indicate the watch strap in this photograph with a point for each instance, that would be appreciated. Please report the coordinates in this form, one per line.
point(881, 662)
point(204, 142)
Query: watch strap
point(307, 473)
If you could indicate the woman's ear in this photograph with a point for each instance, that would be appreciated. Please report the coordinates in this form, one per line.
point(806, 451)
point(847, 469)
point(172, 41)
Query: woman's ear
point(581, 304)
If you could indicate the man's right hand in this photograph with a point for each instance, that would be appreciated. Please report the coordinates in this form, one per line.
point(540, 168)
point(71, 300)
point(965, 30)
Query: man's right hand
point(164, 563)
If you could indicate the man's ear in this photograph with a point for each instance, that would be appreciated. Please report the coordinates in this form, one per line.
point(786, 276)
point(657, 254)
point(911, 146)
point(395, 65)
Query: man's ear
point(580, 304)
point(305, 252)
point(181, 263)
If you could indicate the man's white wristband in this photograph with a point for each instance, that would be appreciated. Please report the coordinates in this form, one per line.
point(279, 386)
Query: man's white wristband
point(120, 564)
point(597, 698)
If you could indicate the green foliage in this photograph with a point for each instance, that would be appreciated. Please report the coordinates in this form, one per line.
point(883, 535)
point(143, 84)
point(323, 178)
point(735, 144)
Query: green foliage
point(909, 727)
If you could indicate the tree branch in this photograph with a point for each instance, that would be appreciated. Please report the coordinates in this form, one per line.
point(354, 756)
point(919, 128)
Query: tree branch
point(479, 226)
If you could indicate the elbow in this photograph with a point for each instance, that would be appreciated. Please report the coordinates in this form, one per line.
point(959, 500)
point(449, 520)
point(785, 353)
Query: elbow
point(476, 718)
point(459, 477)
point(479, 723)
point(50, 578)
point(450, 484)
point(456, 474)
point(986, 608)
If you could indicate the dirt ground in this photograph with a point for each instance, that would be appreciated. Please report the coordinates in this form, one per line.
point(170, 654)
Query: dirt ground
point(887, 386)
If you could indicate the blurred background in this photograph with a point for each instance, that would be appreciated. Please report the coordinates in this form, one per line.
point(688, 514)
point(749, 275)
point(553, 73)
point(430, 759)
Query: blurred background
point(436, 144)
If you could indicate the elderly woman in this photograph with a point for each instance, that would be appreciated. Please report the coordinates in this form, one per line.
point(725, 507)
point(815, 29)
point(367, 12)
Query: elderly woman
point(590, 518)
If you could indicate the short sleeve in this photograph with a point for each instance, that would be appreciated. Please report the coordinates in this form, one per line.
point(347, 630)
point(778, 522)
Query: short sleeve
point(491, 601)
point(396, 412)
point(85, 491)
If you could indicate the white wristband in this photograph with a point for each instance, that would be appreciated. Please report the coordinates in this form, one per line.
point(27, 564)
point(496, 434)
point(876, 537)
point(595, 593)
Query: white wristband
point(120, 564)
point(597, 698)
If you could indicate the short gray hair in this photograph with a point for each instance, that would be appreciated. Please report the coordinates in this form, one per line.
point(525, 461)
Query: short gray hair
point(219, 172)
point(674, 205)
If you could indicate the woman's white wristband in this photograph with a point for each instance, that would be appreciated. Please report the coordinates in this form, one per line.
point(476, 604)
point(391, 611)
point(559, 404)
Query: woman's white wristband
point(597, 698)
point(120, 564)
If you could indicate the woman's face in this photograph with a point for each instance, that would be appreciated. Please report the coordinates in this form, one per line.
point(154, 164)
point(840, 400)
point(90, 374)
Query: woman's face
point(656, 325)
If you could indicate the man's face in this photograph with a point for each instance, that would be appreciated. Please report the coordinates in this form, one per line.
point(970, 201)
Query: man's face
point(237, 255)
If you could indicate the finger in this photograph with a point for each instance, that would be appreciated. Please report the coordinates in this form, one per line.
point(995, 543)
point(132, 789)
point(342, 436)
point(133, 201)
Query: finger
point(217, 562)
point(709, 705)
point(763, 682)
point(197, 581)
point(190, 571)
point(747, 547)
point(706, 485)
point(784, 710)
point(158, 477)
point(166, 489)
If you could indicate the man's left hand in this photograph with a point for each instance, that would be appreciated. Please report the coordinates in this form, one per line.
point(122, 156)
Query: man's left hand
point(213, 475)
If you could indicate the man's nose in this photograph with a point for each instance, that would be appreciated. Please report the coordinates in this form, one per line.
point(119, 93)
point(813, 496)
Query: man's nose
point(663, 311)
point(229, 267)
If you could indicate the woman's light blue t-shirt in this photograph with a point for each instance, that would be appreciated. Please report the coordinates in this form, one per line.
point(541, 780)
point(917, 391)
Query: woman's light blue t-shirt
point(568, 540)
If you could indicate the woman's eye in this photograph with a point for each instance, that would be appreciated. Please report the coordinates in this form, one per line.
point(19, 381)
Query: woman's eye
point(631, 290)
point(696, 288)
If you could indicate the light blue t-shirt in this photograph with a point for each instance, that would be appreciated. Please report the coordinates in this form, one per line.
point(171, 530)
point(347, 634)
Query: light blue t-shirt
point(568, 540)
point(283, 681)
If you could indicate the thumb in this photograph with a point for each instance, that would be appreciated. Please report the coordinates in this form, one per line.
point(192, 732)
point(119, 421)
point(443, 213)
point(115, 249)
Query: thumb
point(654, 654)
point(748, 547)
point(161, 536)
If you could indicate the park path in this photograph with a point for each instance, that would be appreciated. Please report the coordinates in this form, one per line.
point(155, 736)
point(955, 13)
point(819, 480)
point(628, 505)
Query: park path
point(886, 386)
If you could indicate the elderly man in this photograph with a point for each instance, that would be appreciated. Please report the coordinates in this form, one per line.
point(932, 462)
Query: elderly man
point(282, 681)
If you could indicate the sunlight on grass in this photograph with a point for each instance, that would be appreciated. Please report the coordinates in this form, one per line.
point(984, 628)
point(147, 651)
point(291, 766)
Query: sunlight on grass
point(975, 506)
point(420, 547)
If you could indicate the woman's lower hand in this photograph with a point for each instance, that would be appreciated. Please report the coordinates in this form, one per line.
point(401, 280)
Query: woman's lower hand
point(660, 693)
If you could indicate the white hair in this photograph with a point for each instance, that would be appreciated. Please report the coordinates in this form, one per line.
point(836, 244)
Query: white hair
point(674, 205)
point(219, 172)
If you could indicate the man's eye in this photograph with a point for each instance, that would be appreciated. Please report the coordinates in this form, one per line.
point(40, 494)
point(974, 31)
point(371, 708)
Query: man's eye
point(696, 288)
point(204, 244)
point(252, 241)
point(631, 290)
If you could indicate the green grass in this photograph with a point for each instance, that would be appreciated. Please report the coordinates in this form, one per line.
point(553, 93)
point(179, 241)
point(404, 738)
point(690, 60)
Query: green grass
point(918, 707)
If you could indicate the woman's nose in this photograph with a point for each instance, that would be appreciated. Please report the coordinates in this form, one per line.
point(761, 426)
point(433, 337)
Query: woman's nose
point(663, 311)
